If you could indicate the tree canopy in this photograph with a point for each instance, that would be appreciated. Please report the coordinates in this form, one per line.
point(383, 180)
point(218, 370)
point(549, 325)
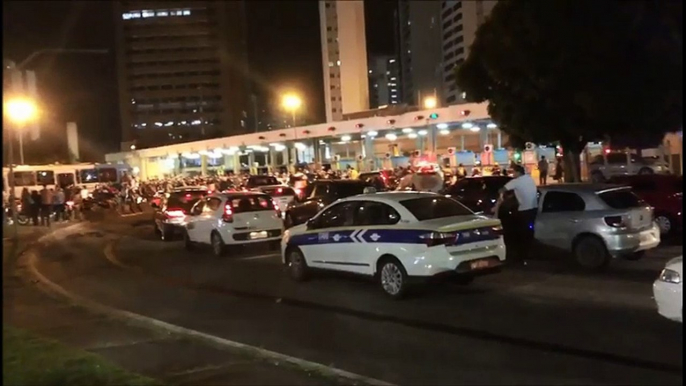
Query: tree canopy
point(580, 70)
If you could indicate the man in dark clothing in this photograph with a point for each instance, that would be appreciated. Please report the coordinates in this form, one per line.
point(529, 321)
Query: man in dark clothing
point(524, 217)
point(46, 199)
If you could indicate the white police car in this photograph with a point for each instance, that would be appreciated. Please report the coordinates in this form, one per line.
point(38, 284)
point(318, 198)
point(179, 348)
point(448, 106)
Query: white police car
point(395, 236)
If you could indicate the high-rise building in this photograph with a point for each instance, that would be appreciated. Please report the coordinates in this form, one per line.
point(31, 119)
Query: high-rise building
point(344, 57)
point(420, 53)
point(460, 20)
point(384, 81)
point(182, 69)
point(435, 36)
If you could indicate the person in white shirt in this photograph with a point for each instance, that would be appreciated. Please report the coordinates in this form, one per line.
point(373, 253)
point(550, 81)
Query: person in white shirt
point(524, 189)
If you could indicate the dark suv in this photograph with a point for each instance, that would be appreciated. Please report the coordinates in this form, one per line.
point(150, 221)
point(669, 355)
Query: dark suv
point(319, 194)
point(170, 216)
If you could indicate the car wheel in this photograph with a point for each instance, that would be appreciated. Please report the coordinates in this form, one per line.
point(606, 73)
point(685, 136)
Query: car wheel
point(597, 177)
point(645, 171)
point(296, 265)
point(187, 243)
point(591, 254)
point(393, 278)
point(664, 223)
point(218, 247)
point(288, 222)
point(635, 256)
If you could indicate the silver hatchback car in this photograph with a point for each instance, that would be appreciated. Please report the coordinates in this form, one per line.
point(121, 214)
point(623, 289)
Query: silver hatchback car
point(595, 222)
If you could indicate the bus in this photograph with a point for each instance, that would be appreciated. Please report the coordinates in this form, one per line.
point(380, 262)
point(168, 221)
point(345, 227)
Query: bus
point(33, 177)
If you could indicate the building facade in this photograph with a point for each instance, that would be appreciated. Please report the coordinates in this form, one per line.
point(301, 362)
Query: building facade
point(182, 71)
point(384, 81)
point(434, 38)
point(344, 57)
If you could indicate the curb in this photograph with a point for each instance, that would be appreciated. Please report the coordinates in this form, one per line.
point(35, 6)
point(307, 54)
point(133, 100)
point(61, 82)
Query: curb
point(55, 291)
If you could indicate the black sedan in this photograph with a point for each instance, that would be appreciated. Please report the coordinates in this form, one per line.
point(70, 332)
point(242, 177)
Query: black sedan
point(319, 194)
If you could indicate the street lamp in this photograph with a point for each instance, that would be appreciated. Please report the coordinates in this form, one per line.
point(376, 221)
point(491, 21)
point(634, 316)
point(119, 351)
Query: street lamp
point(430, 103)
point(19, 111)
point(292, 103)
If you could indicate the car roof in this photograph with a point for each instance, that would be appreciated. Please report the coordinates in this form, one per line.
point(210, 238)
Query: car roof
point(391, 196)
point(188, 189)
point(272, 186)
point(242, 193)
point(582, 187)
point(350, 182)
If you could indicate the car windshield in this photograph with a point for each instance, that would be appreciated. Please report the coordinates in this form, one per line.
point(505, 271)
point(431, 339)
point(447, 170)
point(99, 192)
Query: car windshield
point(184, 200)
point(347, 190)
point(262, 181)
point(427, 208)
point(621, 199)
point(279, 191)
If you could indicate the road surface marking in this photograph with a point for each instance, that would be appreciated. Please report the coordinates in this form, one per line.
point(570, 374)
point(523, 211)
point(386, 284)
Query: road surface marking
point(266, 256)
point(130, 214)
point(54, 289)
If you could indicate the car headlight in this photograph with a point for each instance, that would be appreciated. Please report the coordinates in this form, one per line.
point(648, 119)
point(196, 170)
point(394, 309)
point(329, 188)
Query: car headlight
point(670, 276)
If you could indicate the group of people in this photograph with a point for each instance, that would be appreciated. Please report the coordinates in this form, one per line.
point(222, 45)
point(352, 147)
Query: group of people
point(40, 206)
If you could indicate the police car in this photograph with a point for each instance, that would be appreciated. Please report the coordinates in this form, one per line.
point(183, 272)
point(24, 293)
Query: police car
point(395, 236)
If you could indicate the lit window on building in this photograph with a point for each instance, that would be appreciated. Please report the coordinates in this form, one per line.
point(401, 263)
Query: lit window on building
point(159, 13)
point(338, 62)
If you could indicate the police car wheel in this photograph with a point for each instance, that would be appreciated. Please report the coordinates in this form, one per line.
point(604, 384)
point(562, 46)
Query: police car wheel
point(187, 243)
point(393, 278)
point(218, 247)
point(297, 266)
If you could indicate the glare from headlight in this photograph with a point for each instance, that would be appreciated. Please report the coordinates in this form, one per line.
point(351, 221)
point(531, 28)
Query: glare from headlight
point(670, 276)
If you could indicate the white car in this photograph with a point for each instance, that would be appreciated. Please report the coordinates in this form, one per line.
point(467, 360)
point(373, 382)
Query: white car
point(395, 236)
point(667, 290)
point(283, 195)
point(226, 219)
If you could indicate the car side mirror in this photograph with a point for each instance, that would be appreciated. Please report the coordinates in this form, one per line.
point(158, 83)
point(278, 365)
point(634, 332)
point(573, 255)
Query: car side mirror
point(310, 224)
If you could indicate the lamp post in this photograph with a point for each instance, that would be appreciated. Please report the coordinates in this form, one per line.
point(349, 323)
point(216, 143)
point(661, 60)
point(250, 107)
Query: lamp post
point(19, 112)
point(292, 103)
point(431, 103)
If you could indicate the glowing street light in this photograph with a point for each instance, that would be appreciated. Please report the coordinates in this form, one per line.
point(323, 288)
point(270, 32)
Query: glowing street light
point(292, 103)
point(20, 111)
point(430, 103)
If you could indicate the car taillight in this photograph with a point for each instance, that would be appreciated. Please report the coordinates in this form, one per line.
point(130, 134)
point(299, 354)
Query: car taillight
point(437, 238)
point(615, 221)
point(175, 213)
point(228, 213)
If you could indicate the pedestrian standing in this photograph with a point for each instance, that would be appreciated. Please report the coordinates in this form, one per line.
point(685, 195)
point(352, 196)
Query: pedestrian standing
point(58, 202)
point(46, 206)
point(34, 209)
point(543, 171)
point(524, 217)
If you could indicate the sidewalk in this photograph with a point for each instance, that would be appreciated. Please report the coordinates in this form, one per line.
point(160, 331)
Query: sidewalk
point(156, 354)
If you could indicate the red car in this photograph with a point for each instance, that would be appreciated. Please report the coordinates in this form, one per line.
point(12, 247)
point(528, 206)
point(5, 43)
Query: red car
point(663, 193)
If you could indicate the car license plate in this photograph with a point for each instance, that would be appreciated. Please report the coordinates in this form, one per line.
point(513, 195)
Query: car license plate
point(258, 235)
point(479, 264)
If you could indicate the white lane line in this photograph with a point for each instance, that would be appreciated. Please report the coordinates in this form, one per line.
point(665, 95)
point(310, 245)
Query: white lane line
point(258, 257)
point(56, 290)
point(131, 214)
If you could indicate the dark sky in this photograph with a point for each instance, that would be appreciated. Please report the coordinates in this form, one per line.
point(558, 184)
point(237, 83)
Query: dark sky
point(283, 43)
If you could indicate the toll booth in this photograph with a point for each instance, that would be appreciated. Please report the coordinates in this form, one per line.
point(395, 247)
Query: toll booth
point(501, 157)
point(467, 159)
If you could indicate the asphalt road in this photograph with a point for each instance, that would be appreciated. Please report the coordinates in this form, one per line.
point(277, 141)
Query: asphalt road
point(544, 323)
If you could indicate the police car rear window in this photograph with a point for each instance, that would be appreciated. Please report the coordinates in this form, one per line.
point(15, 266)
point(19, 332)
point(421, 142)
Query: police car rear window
point(428, 208)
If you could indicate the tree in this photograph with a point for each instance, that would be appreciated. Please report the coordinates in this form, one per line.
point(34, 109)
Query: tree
point(576, 71)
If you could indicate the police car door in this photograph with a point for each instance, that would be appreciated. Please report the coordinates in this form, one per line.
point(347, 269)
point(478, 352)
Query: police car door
point(329, 238)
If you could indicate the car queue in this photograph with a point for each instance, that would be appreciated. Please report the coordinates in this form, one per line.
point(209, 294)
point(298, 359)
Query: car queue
point(407, 237)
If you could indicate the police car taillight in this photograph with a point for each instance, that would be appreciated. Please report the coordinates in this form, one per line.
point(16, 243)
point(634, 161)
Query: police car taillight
point(228, 213)
point(437, 238)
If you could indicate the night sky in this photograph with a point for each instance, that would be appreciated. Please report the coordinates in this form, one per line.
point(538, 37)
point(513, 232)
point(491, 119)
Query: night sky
point(283, 47)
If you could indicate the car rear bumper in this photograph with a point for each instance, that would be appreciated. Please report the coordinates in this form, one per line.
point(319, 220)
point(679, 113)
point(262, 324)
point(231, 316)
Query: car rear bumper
point(479, 258)
point(668, 297)
point(622, 244)
point(249, 237)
